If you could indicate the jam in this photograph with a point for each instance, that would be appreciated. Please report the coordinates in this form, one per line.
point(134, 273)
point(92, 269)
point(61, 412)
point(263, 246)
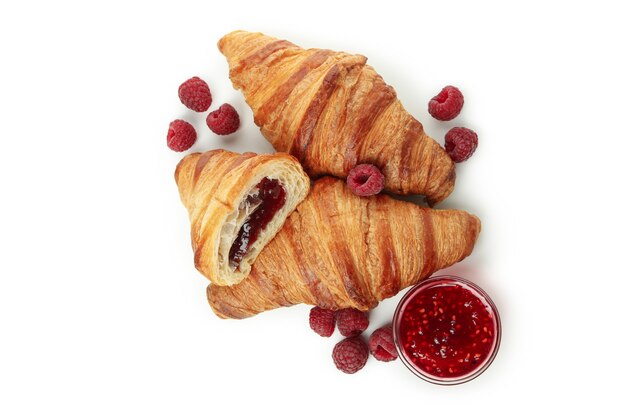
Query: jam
point(270, 198)
point(447, 329)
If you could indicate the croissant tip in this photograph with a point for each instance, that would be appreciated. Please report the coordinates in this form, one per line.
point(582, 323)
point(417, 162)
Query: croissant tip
point(209, 298)
point(222, 308)
point(179, 166)
point(224, 39)
point(221, 44)
point(477, 224)
point(181, 163)
point(443, 192)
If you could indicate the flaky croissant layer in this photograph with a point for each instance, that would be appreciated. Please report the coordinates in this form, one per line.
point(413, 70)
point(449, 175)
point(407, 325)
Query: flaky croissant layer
point(332, 111)
point(338, 250)
point(236, 204)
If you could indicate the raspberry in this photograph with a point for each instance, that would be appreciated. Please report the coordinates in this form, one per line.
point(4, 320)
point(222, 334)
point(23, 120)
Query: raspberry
point(382, 346)
point(195, 94)
point(322, 321)
point(365, 179)
point(447, 104)
point(461, 143)
point(181, 136)
point(224, 120)
point(350, 355)
point(351, 322)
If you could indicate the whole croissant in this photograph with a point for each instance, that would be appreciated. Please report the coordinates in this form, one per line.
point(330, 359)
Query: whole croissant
point(338, 250)
point(332, 112)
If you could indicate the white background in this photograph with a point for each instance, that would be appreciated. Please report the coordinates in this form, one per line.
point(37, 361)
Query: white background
point(101, 310)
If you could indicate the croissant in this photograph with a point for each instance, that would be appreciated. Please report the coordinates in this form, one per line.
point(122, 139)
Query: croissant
point(236, 204)
point(332, 111)
point(338, 250)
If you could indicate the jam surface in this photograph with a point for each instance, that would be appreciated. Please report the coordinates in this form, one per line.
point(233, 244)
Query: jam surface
point(447, 329)
point(272, 198)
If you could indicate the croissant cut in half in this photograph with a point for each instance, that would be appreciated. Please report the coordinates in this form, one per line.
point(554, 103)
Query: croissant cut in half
point(236, 204)
point(338, 250)
point(332, 111)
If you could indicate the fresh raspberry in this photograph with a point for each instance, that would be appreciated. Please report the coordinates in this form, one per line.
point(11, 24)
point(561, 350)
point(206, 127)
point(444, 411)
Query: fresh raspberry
point(461, 143)
point(351, 322)
point(181, 136)
point(224, 120)
point(382, 346)
point(350, 355)
point(322, 321)
point(365, 179)
point(195, 94)
point(447, 104)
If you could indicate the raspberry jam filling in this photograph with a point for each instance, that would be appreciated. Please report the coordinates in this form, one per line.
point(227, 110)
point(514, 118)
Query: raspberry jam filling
point(447, 329)
point(270, 198)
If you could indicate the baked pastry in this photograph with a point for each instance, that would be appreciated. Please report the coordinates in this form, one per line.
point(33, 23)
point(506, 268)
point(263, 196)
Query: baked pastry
point(338, 250)
point(236, 204)
point(332, 111)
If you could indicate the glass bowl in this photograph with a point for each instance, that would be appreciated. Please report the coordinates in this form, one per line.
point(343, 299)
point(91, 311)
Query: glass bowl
point(412, 333)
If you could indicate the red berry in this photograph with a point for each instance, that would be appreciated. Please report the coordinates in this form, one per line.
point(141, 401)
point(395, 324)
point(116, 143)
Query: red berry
point(195, 94)
point(365, 180)
point(351, 322)
point(350, 355)
point(322, 321)
point(224, 120)
point(180, 136)
point(447, 104)
point(382, 346)
point(461, 143)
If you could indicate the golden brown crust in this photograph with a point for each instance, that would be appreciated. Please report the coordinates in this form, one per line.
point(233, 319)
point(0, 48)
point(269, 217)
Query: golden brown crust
point(213, 187)
point(338, 250)
point(332, 111)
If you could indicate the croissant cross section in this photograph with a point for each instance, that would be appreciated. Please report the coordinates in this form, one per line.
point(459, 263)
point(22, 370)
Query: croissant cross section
point(236, 204)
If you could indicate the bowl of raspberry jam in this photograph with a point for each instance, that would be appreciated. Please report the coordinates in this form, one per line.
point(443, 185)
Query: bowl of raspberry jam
point(447, 330)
